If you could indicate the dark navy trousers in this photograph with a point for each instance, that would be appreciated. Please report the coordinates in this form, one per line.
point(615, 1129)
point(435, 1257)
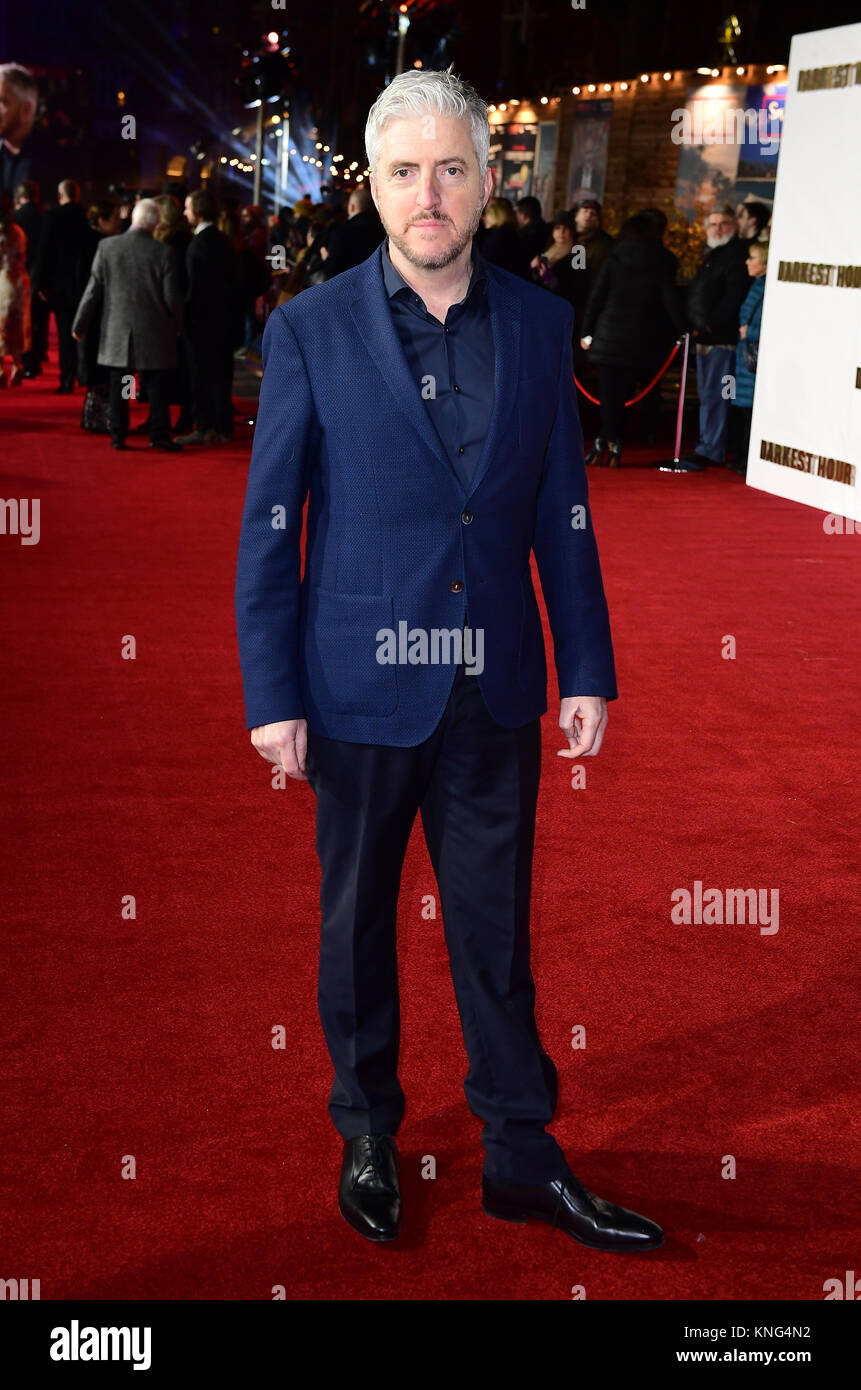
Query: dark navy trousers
point(475, 783)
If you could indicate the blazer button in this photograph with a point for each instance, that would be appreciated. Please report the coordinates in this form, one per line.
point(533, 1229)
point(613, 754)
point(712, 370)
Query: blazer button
point(455, 586)
point(466, 518)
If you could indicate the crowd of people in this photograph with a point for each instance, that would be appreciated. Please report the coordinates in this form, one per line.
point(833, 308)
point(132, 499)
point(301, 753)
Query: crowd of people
point(170, 287)
point(630, 309)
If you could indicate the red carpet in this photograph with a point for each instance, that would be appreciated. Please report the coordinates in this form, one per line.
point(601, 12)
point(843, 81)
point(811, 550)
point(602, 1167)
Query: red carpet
point(152, 1037)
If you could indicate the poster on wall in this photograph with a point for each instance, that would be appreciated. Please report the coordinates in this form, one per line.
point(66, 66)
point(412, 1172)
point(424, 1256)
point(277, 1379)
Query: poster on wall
point(590, 138)
point(518, 158)
point(545, 167)
point(729, 142)
point(805, 441)
point(760, 147)
point(708, 160)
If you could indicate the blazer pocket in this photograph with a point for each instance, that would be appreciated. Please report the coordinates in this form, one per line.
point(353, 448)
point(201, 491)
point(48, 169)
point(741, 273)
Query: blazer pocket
point(341, 651)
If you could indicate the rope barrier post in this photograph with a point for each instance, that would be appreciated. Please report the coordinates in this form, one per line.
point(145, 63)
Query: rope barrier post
point(677, 452)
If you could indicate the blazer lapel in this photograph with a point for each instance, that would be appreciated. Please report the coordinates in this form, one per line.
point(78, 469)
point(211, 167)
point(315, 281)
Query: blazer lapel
point(505, 327)
point(371, 314)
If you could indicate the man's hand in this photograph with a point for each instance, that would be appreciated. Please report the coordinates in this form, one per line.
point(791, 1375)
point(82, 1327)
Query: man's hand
point(284, 744)
point(582, 719)
point(78, 337)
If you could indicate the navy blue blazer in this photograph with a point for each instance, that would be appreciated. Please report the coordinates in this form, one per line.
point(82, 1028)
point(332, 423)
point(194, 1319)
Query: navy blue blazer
point(392, 534)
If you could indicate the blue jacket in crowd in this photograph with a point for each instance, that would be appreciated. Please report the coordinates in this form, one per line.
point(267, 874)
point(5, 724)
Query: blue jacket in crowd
point(751, 314)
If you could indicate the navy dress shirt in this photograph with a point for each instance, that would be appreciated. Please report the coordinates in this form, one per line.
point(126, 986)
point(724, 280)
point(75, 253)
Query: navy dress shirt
point(452, 362)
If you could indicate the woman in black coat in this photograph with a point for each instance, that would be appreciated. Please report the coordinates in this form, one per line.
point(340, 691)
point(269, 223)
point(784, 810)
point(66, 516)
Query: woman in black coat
point(630, 318)
point(500, 243)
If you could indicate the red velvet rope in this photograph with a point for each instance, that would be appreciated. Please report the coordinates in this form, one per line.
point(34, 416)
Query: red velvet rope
point(646, 389)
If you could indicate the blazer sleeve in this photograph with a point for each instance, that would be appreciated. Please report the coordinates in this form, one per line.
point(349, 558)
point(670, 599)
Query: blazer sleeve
point(267, 593)
point(567, 553)
point(92, 297)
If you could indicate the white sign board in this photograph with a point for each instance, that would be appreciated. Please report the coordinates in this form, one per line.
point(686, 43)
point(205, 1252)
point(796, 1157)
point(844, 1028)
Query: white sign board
point(805, 441)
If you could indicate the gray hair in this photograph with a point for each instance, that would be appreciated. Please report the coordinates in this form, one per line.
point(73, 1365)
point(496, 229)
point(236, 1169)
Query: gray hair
point(146, 214)
point(22, 82)
point(420, 93)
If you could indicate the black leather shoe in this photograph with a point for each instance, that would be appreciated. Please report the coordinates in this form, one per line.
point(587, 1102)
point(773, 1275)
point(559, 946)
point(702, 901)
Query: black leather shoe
point(614, 453)
point(596, 453)
point(167, 446)
point(369, 1197)
point(119, 444)
point(566, 1203)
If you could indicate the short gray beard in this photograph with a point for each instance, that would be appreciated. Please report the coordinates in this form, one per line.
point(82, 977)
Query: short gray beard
point(713, 242)
point(436, 260)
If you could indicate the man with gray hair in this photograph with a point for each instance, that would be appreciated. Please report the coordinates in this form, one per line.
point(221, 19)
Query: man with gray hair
point(133, 279)
point(714, 298)
point(424, 404)
point(19, 97)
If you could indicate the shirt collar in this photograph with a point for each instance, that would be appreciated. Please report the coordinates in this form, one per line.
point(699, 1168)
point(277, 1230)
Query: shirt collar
point(394, 281)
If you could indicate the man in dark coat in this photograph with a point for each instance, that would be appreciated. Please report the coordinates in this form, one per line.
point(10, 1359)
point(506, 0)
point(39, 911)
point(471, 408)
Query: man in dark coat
point(26, 151)
point(424, 508)
point(211, 321)
point(134, 281)
point(353, 241)
point(61, 272)
point(533, 231)
point(714, 299)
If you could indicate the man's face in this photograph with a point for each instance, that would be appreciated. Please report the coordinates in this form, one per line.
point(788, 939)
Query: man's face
point(427, 188)
point(719, 227)
point(746, 224)
point(16, 116)
point(522, 217)
point(587, 219)
point(190, 217)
